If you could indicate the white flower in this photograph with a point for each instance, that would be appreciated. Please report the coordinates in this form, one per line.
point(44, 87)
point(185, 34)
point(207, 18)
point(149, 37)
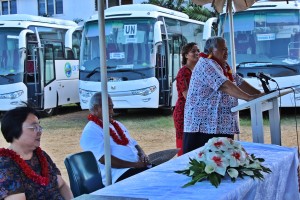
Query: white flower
point(218, 161)
point(233, 173)
point(237, 158)
point(209, 169)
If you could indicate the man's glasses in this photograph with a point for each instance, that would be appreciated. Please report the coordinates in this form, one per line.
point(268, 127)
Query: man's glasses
point(36, 128)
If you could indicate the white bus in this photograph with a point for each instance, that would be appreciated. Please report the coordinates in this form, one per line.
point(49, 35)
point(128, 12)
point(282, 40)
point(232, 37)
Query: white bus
point(267, 39)
point(39, 60)
point(143, 44)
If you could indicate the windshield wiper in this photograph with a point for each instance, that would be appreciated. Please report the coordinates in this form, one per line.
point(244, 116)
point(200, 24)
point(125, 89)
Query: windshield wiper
point(6, 76)
point(254, 63)
point(283, 66)
point(94, 71)
point(265, 64)
point(131, 70)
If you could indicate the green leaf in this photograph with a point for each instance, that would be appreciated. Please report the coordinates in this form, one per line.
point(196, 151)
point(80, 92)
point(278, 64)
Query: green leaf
point(214, 179)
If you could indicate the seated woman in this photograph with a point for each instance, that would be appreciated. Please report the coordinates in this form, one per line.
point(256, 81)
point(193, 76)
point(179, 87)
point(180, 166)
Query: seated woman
point(27, 172)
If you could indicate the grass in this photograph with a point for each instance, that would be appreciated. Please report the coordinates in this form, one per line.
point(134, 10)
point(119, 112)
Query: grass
point(142, 119)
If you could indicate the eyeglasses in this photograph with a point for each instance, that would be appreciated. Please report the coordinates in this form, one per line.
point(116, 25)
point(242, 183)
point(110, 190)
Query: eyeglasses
point(36, 128)
point(195, 51)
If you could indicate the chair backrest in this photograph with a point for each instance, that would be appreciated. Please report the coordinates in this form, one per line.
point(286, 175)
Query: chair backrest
point(84, 173)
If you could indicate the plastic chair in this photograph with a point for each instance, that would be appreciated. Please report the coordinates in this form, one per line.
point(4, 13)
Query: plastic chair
point(84, 173)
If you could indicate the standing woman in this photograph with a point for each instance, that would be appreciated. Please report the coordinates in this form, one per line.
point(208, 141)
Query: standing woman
point(26, 171)
point(190, 56)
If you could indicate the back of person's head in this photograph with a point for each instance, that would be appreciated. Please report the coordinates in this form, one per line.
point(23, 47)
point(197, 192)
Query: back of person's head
point(12, 122)
point(212, 43)
point(185, 50)
point(96, 100)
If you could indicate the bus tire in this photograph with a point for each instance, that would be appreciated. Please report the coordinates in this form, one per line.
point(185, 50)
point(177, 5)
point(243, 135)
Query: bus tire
point(48, 112)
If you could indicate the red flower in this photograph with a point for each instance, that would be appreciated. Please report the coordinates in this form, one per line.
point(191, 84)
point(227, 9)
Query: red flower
point(217, 160)
point(236, 155)
point(218, 144)
point(42, 179)
point(119, 137)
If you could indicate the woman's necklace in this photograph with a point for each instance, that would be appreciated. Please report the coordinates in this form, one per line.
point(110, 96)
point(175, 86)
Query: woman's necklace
point(119, 137)
point(42, 179)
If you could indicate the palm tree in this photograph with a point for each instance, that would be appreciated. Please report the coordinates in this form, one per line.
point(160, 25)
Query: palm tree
point(192, 10)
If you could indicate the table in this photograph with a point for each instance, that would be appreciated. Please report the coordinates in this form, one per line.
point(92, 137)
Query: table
point(161, 182)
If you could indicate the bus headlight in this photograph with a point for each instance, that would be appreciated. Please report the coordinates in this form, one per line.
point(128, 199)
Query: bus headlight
point(86, 93)
point(12, 95)
point(144, 91)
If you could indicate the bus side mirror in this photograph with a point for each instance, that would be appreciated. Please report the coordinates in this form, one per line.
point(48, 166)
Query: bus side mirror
point(208, 30)
point(157, 33)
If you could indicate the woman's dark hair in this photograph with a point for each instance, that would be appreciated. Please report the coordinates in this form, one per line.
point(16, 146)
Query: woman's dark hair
point(212, 43)
point(185, 50)
point(12, 122)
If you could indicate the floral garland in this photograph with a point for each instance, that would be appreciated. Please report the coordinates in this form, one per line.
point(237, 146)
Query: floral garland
point(42, 179)
point(226, 70)
point(221, 157)
point(120, 139)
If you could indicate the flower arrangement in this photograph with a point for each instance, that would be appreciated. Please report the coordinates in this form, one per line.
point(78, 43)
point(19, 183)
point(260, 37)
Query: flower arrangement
point(222, 156)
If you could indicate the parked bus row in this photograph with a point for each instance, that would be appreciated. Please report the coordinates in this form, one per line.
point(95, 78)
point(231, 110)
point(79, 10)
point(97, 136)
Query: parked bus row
point(50, 62)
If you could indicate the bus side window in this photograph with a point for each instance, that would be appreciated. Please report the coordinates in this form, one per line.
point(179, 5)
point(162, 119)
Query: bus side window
point(58, 54)
point(69, 54)
point(76, 51)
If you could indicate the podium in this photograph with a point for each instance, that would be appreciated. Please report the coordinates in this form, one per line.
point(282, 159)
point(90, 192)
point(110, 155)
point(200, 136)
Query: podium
point(268, 102)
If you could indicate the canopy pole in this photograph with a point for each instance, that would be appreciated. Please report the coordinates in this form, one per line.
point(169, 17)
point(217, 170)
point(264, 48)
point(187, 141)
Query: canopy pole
point(103, 70)
point(232, 44)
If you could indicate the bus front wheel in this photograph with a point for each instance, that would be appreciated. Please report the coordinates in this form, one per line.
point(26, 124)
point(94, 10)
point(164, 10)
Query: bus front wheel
point(48, 112)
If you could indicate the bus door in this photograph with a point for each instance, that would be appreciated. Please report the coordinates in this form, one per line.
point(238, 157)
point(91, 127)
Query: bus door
point(50, 90)
point(175, 44)
point(162, 63)
point(32, 73)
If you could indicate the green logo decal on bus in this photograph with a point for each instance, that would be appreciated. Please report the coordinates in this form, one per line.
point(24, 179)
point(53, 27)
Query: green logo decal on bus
point(68, 69)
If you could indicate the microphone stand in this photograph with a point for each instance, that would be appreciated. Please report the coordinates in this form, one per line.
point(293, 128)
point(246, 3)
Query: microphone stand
point(265, 84)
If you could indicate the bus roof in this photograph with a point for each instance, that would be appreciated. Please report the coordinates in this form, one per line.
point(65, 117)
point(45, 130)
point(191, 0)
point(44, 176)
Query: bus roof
point(271, 5)
point(139, 10)
point(33, 18)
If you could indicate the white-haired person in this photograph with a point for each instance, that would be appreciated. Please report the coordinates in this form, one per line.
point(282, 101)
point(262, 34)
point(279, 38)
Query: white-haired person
point(127, 157)
point(213, 91)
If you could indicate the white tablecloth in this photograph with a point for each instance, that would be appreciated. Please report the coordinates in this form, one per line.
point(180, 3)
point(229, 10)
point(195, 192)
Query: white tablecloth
point(162, 182)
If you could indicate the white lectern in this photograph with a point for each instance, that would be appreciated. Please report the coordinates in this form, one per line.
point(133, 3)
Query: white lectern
point(268, 102)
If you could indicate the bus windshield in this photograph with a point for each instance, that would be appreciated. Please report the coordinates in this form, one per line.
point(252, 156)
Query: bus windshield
point(129, 44)
point(265, 36)
point(9, 52)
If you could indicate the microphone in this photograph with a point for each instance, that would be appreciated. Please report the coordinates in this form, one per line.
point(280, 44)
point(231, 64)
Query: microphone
point(251, 74)
point(262, 75)
point(264, 82)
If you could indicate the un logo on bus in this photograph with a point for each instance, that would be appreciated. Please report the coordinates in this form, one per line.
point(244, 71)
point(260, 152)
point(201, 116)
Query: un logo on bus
point(68, 70)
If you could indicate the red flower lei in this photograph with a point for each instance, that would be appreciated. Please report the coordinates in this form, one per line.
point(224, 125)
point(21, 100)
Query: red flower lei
point(226, 70)
point(120, 138)
point(42, 179)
